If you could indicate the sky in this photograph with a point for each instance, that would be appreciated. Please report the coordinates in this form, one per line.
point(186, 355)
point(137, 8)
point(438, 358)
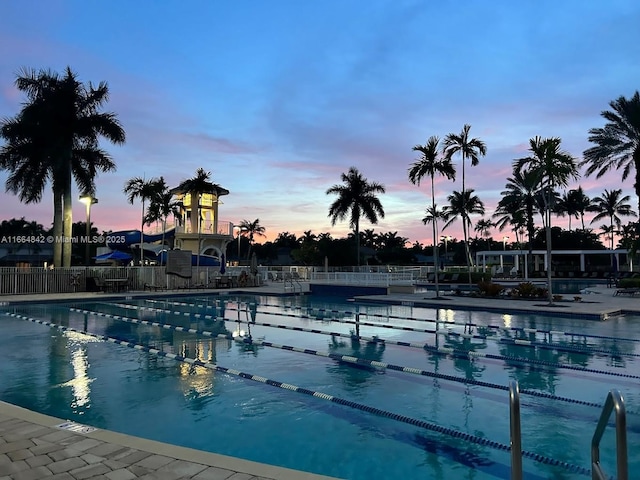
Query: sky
point(278, 98)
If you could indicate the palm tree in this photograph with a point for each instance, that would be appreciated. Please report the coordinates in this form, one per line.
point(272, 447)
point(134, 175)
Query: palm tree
point(138, 187)
point(249, 230)
point(462, 205)
point(617, 144)
point(162, 205)
point(469, 148)
point(554, 168)
point(566, 206)
point(55, 138)
point(483, 227)
point(580, 201)
point(613, 205)
point(357, 197)
point(431, 164)
point(197, 186)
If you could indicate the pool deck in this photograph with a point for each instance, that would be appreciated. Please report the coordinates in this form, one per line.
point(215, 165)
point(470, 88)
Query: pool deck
point(35, 446)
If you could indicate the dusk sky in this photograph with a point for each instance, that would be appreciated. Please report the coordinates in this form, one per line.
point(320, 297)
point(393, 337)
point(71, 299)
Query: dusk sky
point(278, 98)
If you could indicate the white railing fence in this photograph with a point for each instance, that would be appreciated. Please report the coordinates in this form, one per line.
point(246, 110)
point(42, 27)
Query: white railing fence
point(20, 281)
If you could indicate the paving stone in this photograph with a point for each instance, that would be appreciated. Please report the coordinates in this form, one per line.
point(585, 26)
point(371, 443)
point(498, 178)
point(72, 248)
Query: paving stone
point(120, 474)
point(107, 450)
point(139, 471)
point(89, 471)
point(20, 454)
point(66, 465)
point(154, 462)
point(114, 464)
point(62, 454)
point(183, 469)
point(13, 446)
point(241, 476)
point(11, 468)
point(39, 460)
point(33, 474)
point(57, 436)
point(213, 473)
point(61, 476)
point(84, 444)
point(131, 457)
point(45, 448)
point(4, 458)
point(90, 458)
point(31, 430)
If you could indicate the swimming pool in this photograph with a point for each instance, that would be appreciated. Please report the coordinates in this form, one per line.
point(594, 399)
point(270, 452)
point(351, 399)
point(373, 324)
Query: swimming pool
point(446, 418)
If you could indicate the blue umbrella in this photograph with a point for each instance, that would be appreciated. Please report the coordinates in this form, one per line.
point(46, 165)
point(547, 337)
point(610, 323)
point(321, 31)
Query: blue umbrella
point(115, 255)
point(222, 265)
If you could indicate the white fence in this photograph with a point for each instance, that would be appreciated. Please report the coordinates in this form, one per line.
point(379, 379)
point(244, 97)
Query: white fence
point(17, 281)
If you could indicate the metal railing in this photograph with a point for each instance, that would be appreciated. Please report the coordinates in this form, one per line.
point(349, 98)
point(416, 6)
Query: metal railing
point(515, 431)
point(614, 402)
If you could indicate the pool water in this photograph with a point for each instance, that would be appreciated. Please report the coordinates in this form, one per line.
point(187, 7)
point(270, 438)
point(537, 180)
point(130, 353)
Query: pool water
point(450, 419)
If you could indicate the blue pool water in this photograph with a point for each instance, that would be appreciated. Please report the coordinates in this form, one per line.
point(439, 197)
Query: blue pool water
point(449, 421)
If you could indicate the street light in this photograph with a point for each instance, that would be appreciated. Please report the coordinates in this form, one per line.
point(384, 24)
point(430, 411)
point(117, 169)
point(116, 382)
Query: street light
point(445, 239)
point(240, 230)
point(88, 200)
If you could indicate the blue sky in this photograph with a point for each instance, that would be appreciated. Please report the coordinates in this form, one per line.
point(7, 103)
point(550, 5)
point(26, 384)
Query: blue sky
point(278, 98)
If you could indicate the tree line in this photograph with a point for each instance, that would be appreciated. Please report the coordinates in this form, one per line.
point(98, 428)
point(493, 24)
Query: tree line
point(55, 137)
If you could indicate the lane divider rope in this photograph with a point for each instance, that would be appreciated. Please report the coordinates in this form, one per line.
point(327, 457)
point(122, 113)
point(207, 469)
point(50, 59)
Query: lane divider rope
point(457, 353)
point(324, 396)
point(349, 358)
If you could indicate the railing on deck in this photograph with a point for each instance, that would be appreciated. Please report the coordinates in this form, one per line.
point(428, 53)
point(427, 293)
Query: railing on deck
point(614, 402)
point(20, 281)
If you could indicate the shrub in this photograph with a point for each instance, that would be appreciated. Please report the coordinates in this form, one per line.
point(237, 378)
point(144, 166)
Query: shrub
point(629, 283)
point(490, 289)
point(529, 290)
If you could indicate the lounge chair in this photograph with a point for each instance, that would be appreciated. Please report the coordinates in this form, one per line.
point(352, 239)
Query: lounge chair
point(627, 291)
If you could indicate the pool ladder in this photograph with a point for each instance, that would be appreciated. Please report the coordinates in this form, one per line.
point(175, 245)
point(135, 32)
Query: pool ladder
point(613, 402)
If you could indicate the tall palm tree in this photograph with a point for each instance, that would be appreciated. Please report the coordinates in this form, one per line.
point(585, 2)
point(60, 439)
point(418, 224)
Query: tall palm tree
point(483, 227)
point(462, 205)
point(138, 187)
point(250, 230)
point(566, 206)
point(554, 168)
point(356, 198)
point(197, 186)
point(612, 204)
point(468, 148)
point(617, 144)
point(430, 163)
point(162, 206)
point(55, 138)
point(580, 201)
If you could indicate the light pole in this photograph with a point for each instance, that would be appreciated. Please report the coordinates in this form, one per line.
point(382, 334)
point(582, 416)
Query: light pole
point(504, 248)
point(88, 200)
point(240, 230)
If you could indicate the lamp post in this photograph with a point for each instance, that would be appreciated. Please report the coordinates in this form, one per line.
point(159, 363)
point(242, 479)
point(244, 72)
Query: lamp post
point(504, 248)
point(445, 239)
point(88, 200)
point(240, 230)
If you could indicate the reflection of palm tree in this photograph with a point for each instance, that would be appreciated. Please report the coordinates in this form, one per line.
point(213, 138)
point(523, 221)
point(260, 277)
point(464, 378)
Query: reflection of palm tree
point(431, 164)
point(356, 198)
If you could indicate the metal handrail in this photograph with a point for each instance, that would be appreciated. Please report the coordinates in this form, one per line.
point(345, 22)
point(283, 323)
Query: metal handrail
point(614, 401)
point(515, 431)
